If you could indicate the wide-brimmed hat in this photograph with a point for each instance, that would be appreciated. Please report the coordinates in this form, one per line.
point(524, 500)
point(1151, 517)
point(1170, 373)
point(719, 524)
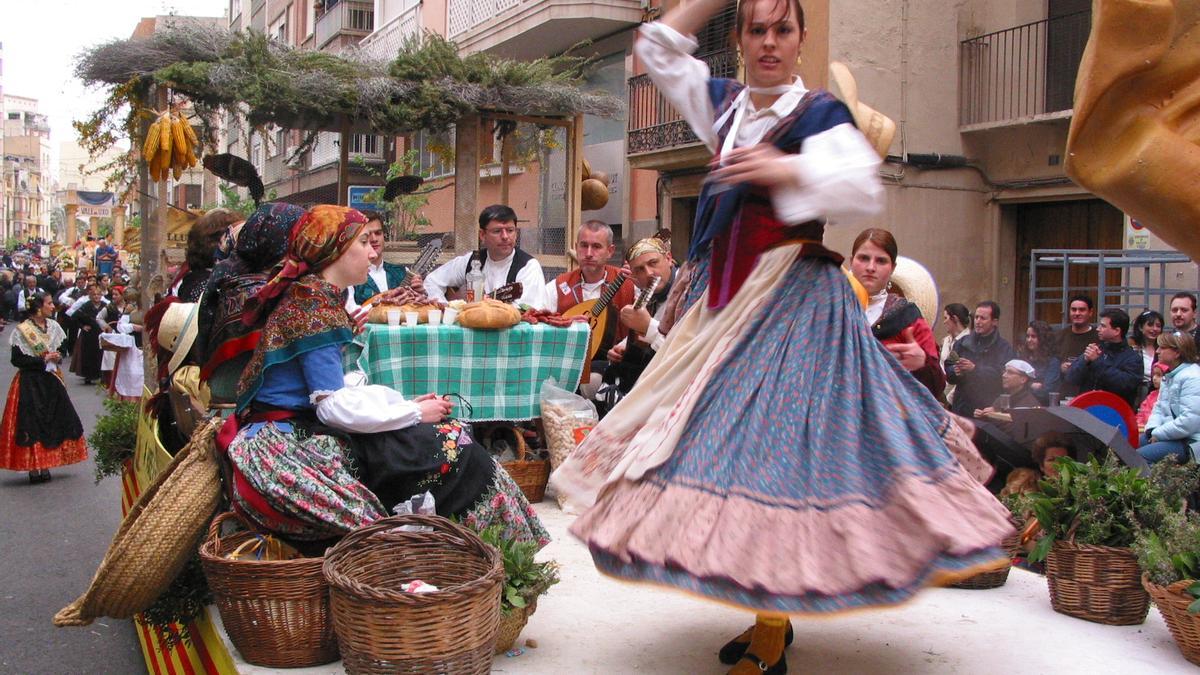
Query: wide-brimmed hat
point(877, 127)
point(916, 284)
point(177, 331)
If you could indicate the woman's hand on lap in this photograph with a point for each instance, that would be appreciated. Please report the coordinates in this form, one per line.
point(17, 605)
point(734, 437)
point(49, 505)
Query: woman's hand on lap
point(434, 409)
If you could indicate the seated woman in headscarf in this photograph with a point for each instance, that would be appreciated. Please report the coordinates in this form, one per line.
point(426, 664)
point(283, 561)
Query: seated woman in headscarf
point(314, 458)
point(225, 341)
point(202, 242)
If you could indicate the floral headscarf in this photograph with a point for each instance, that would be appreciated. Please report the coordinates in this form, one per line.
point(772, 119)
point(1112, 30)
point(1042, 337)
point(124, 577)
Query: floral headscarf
point(321, 235)
point(263, 241)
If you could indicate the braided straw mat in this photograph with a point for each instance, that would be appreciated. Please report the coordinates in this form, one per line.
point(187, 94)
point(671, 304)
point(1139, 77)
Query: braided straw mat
point(157, 536)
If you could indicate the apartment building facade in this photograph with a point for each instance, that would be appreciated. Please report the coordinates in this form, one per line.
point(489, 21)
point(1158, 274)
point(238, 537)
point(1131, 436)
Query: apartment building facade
point(28, 176)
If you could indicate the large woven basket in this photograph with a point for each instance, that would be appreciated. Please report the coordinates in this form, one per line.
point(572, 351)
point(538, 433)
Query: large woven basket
point(531, 475)
point(999, 576)
point(382, 629)
point(1172, 604)
point(276, 612)
point(156, 538)
point(1096, 583)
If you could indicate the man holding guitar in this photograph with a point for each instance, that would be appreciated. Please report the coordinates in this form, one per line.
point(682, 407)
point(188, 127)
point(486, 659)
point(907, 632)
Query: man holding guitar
point(504, 264)
point(586, 288)
point(381, 276)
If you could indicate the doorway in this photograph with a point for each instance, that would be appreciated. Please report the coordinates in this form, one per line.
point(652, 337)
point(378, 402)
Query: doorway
point(1083, 224)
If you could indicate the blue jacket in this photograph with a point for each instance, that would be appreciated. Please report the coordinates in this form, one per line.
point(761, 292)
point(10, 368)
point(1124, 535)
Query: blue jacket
point(1117, 370)
point(1176, 416)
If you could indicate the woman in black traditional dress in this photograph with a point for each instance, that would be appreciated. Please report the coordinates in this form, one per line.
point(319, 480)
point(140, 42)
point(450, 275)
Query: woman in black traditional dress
point(86, 360)
point(40, 429)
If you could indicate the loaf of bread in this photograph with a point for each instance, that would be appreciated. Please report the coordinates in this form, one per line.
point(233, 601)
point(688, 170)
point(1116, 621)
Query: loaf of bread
point(489, 313)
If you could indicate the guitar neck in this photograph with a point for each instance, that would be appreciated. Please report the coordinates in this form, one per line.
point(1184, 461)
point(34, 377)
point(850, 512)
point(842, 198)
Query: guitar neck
point(610, 292)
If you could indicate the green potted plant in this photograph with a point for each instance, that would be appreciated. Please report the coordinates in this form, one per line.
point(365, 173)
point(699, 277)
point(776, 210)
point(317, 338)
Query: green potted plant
point(1168, 551)
point(1088, 516)
point(114, 438)
point(525, 580)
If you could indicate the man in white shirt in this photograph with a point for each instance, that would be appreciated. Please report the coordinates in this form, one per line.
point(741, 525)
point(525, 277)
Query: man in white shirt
point(381, 276)
point(503, 262)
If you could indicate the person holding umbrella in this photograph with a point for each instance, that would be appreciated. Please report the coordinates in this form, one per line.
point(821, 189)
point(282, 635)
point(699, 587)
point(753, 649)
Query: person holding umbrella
point(1174, 427)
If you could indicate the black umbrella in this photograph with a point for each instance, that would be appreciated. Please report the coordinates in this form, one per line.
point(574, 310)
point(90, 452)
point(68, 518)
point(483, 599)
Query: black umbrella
point(401, 185)
point(1087, 433)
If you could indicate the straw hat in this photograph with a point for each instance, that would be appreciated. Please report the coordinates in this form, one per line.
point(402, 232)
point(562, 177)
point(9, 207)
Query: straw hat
point(916, 284)
point(877, 127)
point(178, 330)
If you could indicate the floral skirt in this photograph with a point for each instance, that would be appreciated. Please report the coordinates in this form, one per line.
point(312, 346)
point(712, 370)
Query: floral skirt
point(774, 456)
point(305, 481)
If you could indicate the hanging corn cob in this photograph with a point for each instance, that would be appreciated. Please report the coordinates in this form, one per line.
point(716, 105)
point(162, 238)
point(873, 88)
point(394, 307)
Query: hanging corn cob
point(170, 146)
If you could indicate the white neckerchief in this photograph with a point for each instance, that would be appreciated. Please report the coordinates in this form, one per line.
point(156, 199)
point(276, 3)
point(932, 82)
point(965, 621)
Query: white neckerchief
point(738, 110)
point(875, 307)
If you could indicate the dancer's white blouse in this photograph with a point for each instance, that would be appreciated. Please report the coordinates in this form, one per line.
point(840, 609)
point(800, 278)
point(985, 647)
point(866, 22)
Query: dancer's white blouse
point(836, 170)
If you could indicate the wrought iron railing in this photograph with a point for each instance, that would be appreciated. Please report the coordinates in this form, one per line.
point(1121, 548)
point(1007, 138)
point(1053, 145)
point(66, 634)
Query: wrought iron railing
point(654, 124)
point(1021, 73)
point(349, 17)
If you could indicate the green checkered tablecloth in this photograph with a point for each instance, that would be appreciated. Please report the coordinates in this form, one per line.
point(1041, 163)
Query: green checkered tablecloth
point(499, 372)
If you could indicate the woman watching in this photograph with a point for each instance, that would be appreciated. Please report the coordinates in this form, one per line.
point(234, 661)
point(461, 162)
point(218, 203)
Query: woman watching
point(1039, 350)
point(294, 470)
point(202, 242)
point(1144, 337)
point(1173, 429)
point(714, 474)
point(895, 321)
point(40, 429)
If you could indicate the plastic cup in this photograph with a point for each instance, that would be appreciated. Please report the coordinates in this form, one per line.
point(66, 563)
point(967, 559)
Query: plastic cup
point(435, 317)
point(393, 316)
point(449, 316)
point(411, 318)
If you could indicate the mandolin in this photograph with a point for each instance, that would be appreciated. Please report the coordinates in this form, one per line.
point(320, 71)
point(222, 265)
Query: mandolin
point(596, 312)
point(426, 261)
point(643, 299)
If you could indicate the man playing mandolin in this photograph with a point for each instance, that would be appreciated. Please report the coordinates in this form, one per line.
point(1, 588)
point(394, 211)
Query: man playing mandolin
point(583, 288)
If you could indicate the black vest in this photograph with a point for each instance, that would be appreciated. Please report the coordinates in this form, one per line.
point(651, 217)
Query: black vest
point(520, 259)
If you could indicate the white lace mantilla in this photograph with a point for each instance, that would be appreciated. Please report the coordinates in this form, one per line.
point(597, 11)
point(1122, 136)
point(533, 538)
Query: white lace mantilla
point(50, 339)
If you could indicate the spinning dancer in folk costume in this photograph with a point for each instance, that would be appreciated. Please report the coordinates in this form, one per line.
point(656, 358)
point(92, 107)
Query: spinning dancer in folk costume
point(773, 455)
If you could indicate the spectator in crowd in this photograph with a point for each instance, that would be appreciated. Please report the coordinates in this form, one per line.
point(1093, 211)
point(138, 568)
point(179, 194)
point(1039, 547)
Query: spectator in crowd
point(28, 289)
point(1110, 364)
point(501, 260)
point(1040, 350)
point(981, 358)
point(1143, 337)
point(65, 300)
point(1146, 407)
point(1183, 313)
point(85, 362)
point(106, 256)
point(956, 319)
point(1016, 381)
point(1076, 336)
point(1173, 429)
point(1047, 448)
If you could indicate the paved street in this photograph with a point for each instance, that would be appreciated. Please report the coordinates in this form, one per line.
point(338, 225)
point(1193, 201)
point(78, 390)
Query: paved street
point(54, 535)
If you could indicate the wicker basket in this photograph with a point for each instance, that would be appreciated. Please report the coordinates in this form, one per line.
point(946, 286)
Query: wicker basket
point(1172, 604)
point(156, 538)
point(998, 577)
point(276, 612)
point(512, 625)
point(531, 475)
point(381, 629)
point(1096, 583)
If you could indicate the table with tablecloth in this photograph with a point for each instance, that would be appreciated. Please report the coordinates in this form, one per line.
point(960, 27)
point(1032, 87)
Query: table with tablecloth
point(499, 373)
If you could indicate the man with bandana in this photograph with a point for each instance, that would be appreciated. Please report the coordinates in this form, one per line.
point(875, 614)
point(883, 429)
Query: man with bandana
point(646, 259)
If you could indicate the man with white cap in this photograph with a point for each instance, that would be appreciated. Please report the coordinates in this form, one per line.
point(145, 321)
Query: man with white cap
point(1016, 379)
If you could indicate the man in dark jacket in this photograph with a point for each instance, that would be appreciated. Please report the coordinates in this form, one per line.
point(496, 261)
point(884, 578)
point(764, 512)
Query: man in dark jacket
point(1111, 365)
point(981, 358)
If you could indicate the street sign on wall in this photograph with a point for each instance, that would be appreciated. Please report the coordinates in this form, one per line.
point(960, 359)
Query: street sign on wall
point(356, 196)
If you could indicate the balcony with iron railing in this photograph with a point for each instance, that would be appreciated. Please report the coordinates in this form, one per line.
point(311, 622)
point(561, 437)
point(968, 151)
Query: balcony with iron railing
point(1022, 74)
point(349, 18)
point(654, 124)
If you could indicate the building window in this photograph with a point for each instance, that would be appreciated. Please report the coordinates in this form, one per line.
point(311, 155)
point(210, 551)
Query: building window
point(433, 151)
point(363, 144)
